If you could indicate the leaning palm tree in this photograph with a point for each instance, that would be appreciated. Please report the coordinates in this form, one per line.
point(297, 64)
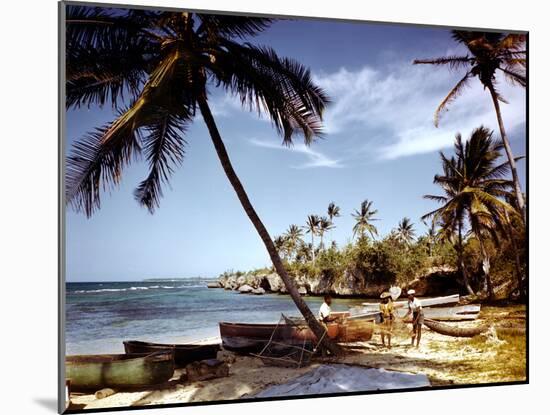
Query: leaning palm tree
point(162, 65)
point(488, 53)
point(324, 225)
point(312, 227)
point(474, 184)
point(293, 237)
point(405, 232)
point(363, 219)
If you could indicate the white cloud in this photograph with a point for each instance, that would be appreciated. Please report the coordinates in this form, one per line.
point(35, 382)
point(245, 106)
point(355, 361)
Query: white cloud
point(314, 158)
point(393, 107)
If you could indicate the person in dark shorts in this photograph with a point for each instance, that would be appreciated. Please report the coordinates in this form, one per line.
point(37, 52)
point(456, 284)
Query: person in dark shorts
point(415, 308)
point(386, 311)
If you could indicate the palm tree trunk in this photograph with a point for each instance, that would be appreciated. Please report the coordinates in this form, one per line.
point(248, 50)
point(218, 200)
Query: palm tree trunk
point(312, 248)
point(312, 322)
point(517, 261)
point(511, 160)
point(486, 271)
point(461, 267)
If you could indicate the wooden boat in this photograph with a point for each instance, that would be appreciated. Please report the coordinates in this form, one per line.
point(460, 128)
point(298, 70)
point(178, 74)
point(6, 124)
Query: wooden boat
point(252, 338)
point(426, 302)
point(458, 313)
point(449, 330)
point(183, 353)
point(118, 371)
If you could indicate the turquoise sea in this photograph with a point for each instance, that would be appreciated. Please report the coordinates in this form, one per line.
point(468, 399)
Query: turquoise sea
point(99, 315)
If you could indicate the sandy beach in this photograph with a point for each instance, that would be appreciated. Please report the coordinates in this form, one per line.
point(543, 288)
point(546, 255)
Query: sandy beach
point(498, 356)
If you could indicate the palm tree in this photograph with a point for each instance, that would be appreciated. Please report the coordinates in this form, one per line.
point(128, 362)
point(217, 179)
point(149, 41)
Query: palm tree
point(431, 236)
point(303, 252)
point(165, 63)
point(333, 211)
point(405, 231)
point(488, 53)
point(293, 237)
point(281, 245)
point(324, 225)
point(473, 184)
point(363, 218)
point(312, 227)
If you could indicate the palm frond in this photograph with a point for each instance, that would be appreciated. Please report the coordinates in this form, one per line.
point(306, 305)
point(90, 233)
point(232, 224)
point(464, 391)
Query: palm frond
point(281, 87)
point(163, 148)
point(515, 77)
point(451, 96)
point(454, 62)
point(96, 164)
point(232, 26)
point(99, 27)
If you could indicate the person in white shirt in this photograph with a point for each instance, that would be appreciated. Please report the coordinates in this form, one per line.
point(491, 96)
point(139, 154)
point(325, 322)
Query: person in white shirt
point(415, 308)
point(324, 311)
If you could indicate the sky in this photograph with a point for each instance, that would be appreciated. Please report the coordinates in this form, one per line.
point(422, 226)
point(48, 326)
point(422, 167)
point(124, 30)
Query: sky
point(380, 144)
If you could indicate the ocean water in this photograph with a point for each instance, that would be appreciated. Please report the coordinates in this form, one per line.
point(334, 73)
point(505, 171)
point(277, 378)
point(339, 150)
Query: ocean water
point(100, 315)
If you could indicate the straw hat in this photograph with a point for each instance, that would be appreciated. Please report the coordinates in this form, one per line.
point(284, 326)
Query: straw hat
point(395, 292)
point(411, 292)
point(385, 294)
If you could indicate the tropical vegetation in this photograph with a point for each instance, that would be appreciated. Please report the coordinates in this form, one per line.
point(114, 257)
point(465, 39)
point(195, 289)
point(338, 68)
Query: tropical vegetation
point(488, 53)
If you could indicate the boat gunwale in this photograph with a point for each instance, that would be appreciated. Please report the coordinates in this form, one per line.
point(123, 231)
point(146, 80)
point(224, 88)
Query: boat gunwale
point(157, 356)
point(171, 346)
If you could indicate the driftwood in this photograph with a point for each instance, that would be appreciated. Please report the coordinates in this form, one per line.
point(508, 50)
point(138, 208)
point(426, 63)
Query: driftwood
point(207, 369)
point(449, 330)
point(103, 393)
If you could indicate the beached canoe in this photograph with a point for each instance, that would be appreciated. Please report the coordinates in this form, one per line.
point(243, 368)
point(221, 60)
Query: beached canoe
point(119, 371)
point(458, 313)
point(425, 302)
point(252, 338)
point(454, 331)
point(184, 353)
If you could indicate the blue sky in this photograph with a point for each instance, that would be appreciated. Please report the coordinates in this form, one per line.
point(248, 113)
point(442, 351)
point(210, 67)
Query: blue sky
point(380, 144)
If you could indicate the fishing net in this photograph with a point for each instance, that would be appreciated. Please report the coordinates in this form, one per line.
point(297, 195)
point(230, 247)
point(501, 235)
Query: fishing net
point(292, 344)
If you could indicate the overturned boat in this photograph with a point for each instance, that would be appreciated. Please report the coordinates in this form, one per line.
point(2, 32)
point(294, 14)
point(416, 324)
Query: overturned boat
point(184, 353)
point(118, 371)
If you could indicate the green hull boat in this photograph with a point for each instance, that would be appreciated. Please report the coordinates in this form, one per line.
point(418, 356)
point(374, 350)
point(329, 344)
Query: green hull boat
point(124, 371)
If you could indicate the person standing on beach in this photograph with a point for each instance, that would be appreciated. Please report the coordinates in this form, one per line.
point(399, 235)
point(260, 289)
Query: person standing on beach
point(415, 308)
point(386, 310)
point(324, 311)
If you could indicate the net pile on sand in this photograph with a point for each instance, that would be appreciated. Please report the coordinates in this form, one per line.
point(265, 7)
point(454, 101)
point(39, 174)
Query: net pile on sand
point(339, 378)
point(286, 351)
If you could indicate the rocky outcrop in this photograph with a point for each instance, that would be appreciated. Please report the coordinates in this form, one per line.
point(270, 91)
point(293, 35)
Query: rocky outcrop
point(245, 288)
point(275, 282)
point(437, 281)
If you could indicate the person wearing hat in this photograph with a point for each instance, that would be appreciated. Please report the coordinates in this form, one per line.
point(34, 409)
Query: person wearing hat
point(415, 308)
point(386, 310)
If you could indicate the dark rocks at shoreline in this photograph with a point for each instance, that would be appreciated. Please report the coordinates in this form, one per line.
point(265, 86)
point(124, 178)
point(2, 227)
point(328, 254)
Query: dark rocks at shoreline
point(437, 281)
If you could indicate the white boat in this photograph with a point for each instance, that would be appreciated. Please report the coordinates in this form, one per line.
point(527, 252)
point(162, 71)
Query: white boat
point(425, 302)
